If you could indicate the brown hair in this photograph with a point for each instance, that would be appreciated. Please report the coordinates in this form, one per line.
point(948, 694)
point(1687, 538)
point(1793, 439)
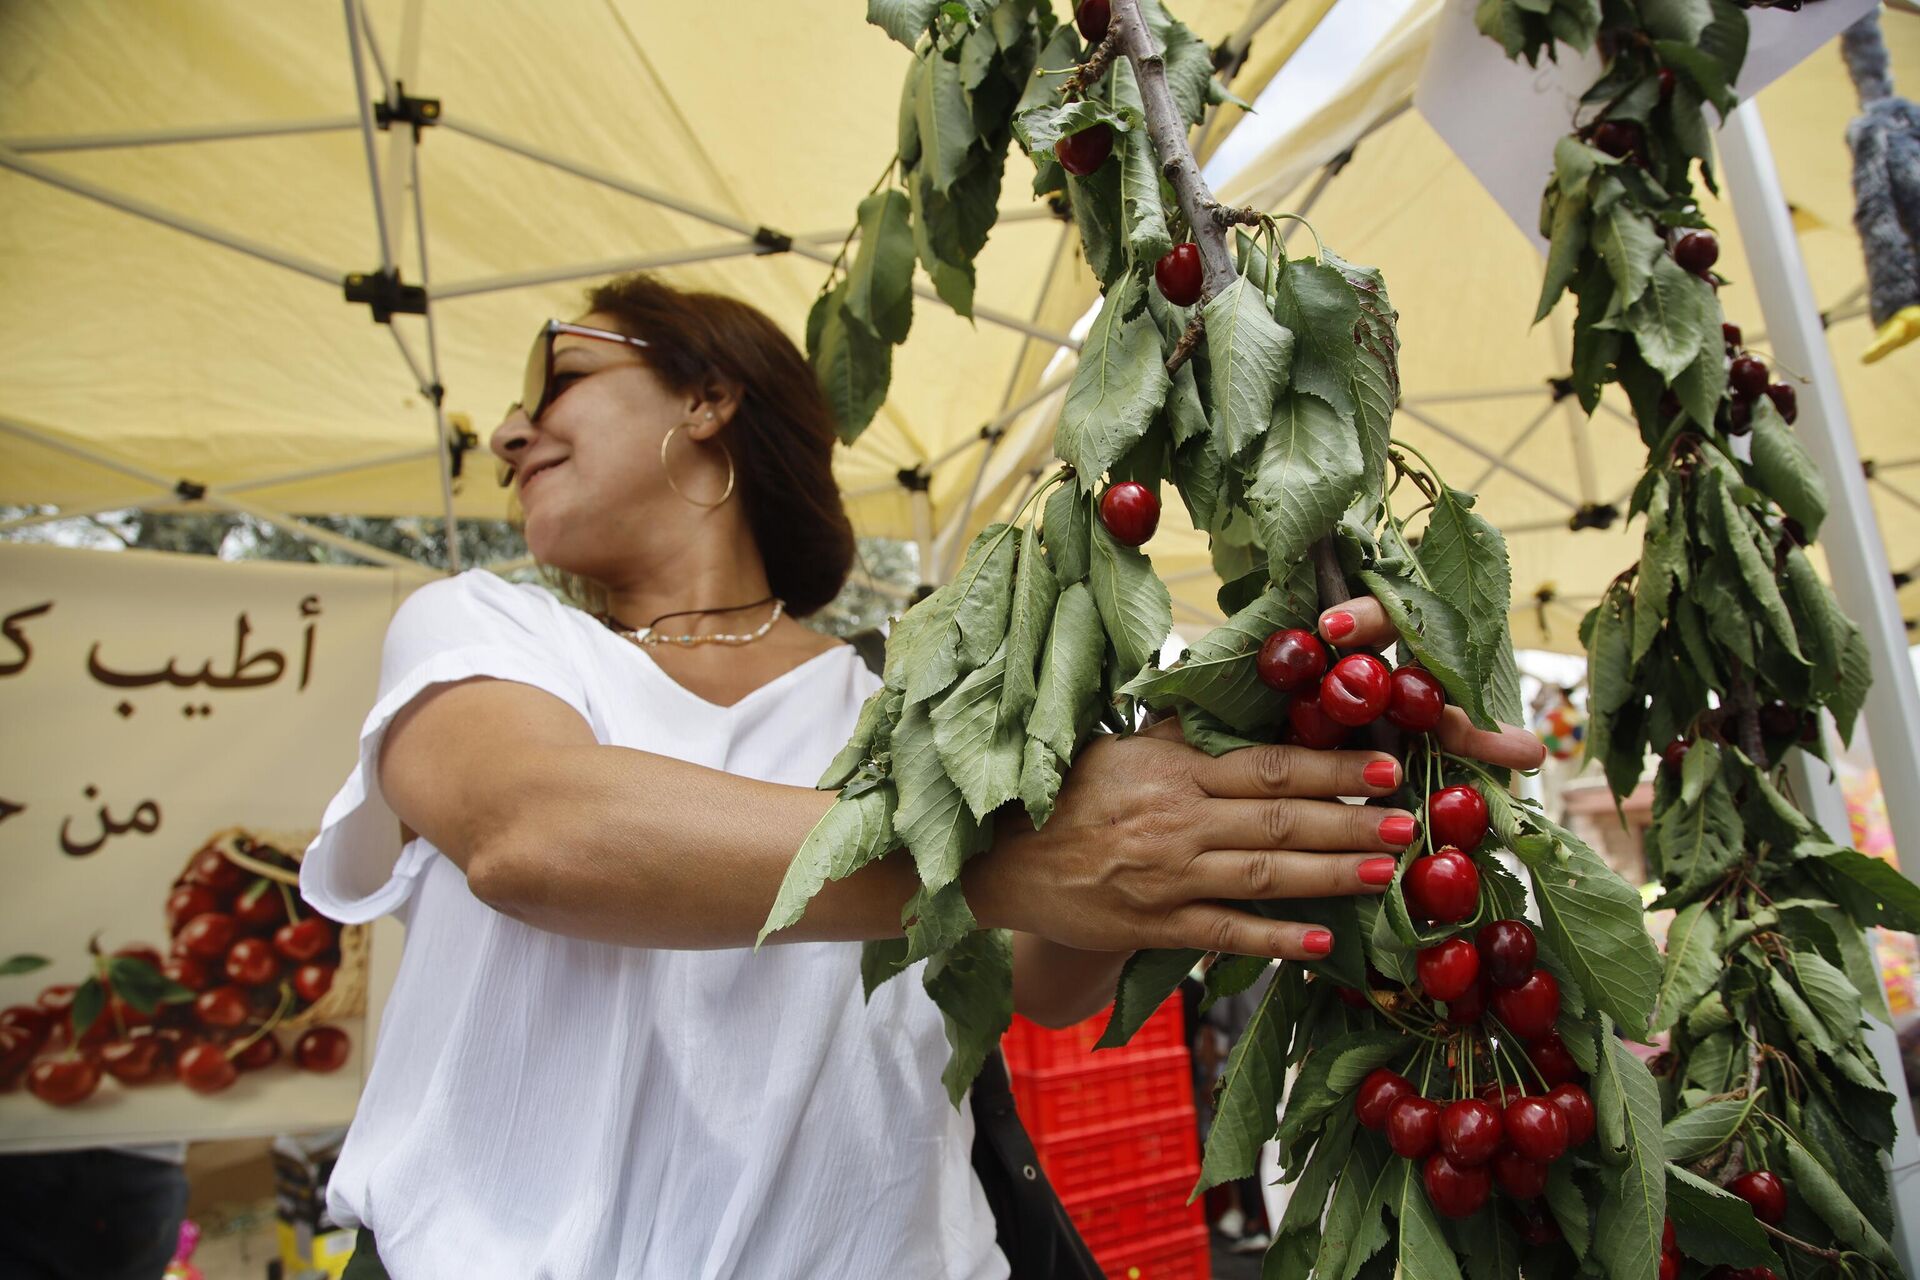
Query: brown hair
point(781, 436)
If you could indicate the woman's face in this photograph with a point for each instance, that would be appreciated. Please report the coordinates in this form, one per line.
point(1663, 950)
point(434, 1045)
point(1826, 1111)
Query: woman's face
point(588, 474)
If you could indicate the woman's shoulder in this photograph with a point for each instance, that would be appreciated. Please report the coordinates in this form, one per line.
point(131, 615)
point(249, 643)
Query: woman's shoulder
point(474, 605)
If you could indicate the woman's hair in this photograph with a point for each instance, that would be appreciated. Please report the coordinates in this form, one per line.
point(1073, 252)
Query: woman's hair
point(781, 436)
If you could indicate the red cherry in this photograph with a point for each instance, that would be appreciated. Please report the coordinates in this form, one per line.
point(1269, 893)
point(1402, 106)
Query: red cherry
point(1536, 1129)
point(262, 910)
point(1456, 1192)
point(1178, 275)
point(1530, 1009)
point(149, 956)
point(1696, 251)
point(1577, 1106)
point(1669, 1266)
point(1519, 1177)
point(63, 1081)
point(1093, 17)
point(1413, 1126)
point(211, 868)
point(17, 1047)
point(262, 1053)
point(1083, 152)
point(188, 971)
point(57, 1001)
point(1469, 1132)
point(1765, 1192)
point(1674, 754)
point(136, 1061)
point(1730, 332)
point(1498, 1095)
point(1667, 81)
point(1312, 726)
point(1377, 1093)
point(1470, 1005)
point(1507, 952)
point(1785, 399)
point(311, 981)
point(30, 1020)
point(251, 962)
point(1617, 138)
point(1290, 660)
point(1443, 887)
point(1457, 816)
point(1748, 377)
point(1356, 690)
point(325, 1049)
point(1130, 512)
point(1416, 699)
point(222, 1007)
point(1448, 969)
point(207, 937)
point(303, 940)
point(204, 1068)
point(188, 901)
point(1666, 1237)
point(1551, 1058)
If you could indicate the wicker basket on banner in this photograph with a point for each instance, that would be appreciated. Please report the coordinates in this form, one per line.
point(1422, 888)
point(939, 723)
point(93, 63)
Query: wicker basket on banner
point(253, 850)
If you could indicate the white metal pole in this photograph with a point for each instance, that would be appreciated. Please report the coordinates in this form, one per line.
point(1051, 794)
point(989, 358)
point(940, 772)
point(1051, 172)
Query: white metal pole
point(184, 134)
point(1855, 552)
point(387, 259)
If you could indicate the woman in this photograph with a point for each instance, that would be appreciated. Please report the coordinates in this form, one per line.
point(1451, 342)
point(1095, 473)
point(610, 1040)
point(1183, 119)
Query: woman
point(584, 1069)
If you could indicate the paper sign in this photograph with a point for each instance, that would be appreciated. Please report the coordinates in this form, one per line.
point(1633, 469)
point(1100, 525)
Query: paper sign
point(1502, 118)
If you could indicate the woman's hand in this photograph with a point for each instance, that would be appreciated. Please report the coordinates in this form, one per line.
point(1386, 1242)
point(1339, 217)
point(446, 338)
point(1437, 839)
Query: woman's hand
point(1150, 838)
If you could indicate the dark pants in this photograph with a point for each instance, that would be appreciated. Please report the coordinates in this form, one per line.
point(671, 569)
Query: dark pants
point(365, 1263)
point(89, 1215)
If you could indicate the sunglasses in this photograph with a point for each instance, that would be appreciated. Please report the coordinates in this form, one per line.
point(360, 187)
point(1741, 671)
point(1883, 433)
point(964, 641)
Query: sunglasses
point(537, 392)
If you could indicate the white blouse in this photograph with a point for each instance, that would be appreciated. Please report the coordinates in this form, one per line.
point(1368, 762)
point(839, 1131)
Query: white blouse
point(545, 1108)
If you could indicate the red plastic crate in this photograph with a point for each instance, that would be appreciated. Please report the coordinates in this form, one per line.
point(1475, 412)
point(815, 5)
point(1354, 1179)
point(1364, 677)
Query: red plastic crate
point(1144, 1209)
point(1178, 1255)
point(1082, 1161)
point(1060, 1099)
point(1031, 1047)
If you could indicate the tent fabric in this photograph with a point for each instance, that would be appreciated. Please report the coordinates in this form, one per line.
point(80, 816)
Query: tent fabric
point(193, 361)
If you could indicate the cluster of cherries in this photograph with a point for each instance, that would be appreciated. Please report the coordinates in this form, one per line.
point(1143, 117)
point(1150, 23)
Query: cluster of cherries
point(1331, 700)
point(1749, 379)
point(244, 950)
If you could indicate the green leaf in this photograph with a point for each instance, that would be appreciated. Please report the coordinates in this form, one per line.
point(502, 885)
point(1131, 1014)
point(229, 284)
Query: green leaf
point(940, 239)
point(1134, 605)
point(1466, 560)
point(944, 119)
point(936, 920)
point(1830, 994)
point(1101, 218)
point(904, 20)
point(1594, 922)
point(923, 650)
point(981, 747)
point(1701, 385)
point(1677, 20)
point(1567, 240)
point(1206, 732)
point(1040, 778)
point(848, 836)
point(1067, 529)
point(23, 963)
point(1434, 631)
point(1376, 374)
point(1569, 1207)
point(1146, 980)
point(1633, 1204)
point(1700, 1131)
point(880, 281)
point(932, 818)
point(1856, 677)
point(1834, 1206)
point(853, 364)
point(1219, 672)
point(1035, 591)
point(1307, 474)
point(1119, 385)
point(1696, 844)
point(1626, 241)
point(1712, 1226)
point(1425, 1253)
point(1693, 965)
point(88, 1004)
point(1488, 1244)
point(1330, 1073)
point(1189, 62)
point(1231, 975)
point(1147, 237)
point(143, 986)
point(1249, 1093)
point(1059, 57)
point(1299, 1238)
point(1248, 355)
point(1314, 302)
point(1756, 572)
point(1353, 1231)
point(1039, 127)
point(1668, 318)
point(1854, 1162)
point(1067, 696)
point(877, 714)
point(1784, 470)
point(983, 594)
point(973, 985)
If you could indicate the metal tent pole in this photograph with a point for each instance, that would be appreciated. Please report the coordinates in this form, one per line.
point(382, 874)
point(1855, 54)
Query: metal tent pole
point(54, 143)
point(1855, 551)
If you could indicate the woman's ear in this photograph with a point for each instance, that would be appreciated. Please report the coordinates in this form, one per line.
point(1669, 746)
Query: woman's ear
point(713, 408)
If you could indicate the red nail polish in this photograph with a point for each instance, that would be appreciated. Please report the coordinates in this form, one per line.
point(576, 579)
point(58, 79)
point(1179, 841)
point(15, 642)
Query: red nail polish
point(1376, 870)
point(1317, 942)
point(1337, 625)
point(1381, 773)
point(1398, 829)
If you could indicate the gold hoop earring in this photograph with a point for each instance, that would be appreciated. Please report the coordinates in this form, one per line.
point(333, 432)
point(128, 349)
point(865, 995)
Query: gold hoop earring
point(667, 470)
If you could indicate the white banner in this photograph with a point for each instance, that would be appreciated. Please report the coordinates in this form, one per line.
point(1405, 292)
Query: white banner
point(174, 727)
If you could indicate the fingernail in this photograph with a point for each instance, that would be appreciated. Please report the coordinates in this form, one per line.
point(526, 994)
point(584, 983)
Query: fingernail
point(1381, 773)
point(1337, 625)
point(1317, 942)
point(1377, 870)
point(1398, 829)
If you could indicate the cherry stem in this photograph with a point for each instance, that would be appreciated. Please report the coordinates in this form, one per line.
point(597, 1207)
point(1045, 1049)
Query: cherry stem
point(1831, 1255)
point(1532, 1066)
point(286, 897)
point(240, 1046)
